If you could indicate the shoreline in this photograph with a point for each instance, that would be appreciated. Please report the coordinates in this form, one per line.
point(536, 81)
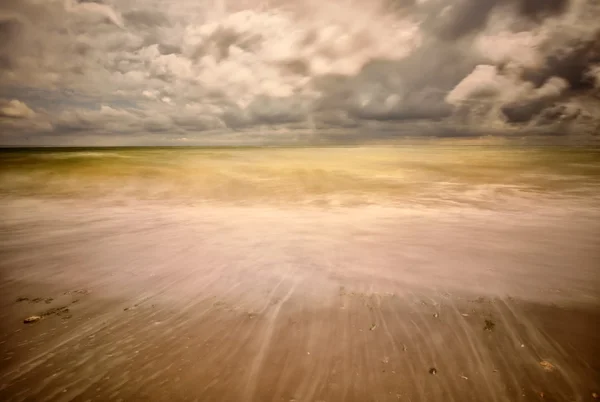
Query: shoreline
point(233, 304)
point(357, 347)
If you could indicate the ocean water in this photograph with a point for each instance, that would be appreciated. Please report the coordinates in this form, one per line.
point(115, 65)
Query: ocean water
point(291, 263)
point(489, 177)
point(485, 220)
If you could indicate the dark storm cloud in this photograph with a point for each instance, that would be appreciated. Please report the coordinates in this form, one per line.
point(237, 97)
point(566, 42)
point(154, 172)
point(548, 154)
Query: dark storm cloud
point(573, 64)
point(166, 49)
point(457, 20)
point(524, 111)
point(145, 18)
point(10, 29)
point(558, 113)
point(271, 110)
point(537, 9)
point(409, 89)
point(411, 106)
point(452, 21)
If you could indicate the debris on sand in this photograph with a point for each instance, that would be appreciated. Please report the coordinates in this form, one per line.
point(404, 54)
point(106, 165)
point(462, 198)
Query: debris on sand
point(373, 327)
point(82, 292)
point(46, 300)
point(547, 365)
point(62, 311)
point(595, 395)
point(489, 325)
point(404, 348)
point(32, 319)
point(436, 315)
point(464, 378)
point(433, 371)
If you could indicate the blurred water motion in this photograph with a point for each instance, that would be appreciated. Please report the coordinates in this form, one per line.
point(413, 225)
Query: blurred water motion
point(481, 176)
point(258, 274)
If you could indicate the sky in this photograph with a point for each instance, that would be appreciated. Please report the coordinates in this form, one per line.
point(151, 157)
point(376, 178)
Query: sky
point(144, 72)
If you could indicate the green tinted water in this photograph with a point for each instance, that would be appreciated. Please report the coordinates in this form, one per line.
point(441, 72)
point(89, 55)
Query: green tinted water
point(473, 175)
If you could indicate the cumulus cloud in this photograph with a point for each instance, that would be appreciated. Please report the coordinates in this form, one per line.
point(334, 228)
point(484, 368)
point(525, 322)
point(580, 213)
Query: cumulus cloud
point(506, 96)
point(15, 109)
point(147, 66)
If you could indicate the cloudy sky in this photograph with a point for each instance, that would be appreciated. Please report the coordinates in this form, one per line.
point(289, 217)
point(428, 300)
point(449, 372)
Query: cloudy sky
point(104, 72)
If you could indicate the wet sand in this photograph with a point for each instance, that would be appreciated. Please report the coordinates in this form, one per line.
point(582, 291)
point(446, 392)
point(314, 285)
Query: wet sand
point(233, 304)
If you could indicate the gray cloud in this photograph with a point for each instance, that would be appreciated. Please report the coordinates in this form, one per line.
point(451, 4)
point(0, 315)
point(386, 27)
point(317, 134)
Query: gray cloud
point(456, 68)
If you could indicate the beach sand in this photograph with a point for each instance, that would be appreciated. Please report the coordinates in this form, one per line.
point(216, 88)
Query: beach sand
point(265, 304)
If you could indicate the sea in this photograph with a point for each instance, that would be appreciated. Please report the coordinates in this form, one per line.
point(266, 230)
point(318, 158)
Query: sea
point(413, 177)
point(494, 219)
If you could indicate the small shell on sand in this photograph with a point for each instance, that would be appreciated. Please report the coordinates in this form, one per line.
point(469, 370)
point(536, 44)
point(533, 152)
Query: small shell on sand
point(32, 319)
point(547, 365)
